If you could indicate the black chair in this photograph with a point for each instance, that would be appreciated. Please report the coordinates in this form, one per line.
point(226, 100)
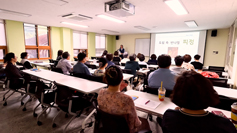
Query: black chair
point(151, 63)
point(19, 64)
point(81, 75)
point(96, 78)
point(58, 70)
point(225, 103)
point(143, 66)
point(69, 103)
point(51, 61)
point(122, 64)
point(91, 66)
point(128, 71)
point(75, 59)
point(108, 123)
point(214, 68)
point(116, 62)
point(55, 63)
point(155, 91)
point(94, 58)
point(221, 82)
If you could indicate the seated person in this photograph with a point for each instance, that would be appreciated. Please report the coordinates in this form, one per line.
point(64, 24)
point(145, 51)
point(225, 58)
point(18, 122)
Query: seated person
point(102, 65)
point(80, 67)
point(104, 54)
point(24, 60)
point(162, 74)
point(132, 65)
point(141, 60)
point(116, 57)
point(65, 64)
point(178, 62)
point(12, 72)
point(197, 65)
point(125, 58)
point(153, 59)
point(186, 64)
point(193, 93)
point(112, 101)
point(109, 57)
point(137, 56)
point(60, 53)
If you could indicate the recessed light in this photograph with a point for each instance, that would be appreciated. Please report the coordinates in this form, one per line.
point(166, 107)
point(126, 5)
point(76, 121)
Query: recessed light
point(78, 25)
point(14, 13)
point(110, 18)
point(141, 28)
point(176, 6)
point(191, 24)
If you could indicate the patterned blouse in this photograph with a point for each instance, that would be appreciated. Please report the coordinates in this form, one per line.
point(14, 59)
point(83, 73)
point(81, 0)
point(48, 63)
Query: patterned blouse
point(99, 72)
point(119, 104)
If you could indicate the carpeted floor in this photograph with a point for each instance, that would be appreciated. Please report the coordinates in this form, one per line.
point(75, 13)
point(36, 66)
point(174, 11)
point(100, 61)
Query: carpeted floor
point(14, 120)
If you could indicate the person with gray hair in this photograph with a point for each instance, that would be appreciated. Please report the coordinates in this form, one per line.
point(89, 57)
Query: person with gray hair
point(125, 59)
point(132, 64)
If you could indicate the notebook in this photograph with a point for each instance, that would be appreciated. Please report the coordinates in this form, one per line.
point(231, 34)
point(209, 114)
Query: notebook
point(134, 97)
point(147, 103)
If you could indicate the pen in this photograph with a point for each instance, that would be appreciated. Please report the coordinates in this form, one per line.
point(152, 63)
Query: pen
point(147, 102)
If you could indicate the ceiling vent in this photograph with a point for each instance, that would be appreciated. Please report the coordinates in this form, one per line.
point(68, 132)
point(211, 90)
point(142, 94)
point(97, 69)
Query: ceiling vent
point(119, 8)
point(141, 28)
point(77, 17)
point(111, 31)
point(56, 2)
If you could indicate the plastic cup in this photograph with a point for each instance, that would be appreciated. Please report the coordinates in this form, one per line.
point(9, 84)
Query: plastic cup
point(234, 113)
point(161, 93)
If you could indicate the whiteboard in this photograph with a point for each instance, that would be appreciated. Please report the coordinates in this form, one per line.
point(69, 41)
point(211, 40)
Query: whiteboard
point(142, 46)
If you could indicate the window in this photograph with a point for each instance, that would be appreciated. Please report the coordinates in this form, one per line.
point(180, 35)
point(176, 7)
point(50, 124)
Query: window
point(37, 41)
point(79, 42)
point(99, 44)
point(3, 44)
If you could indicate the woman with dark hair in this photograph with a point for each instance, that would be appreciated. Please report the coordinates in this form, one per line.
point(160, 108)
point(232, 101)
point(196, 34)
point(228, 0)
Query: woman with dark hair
point(102, 65)
point(60, 54)
point(186, 64)
point(153, 60)
point(109, 58)
point(116, 57)
point(112, 101)
point(24, 60)
point(104, 54)
point(193, 93)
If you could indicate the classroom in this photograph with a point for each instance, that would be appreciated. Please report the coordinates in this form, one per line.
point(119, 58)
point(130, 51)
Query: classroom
point(118, 66)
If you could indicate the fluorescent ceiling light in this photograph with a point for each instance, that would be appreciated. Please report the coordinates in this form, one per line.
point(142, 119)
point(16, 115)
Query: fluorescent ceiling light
point(110, 31)
point(56, 2)
point(191, 24)
point(110, 18)
point(83, 26)
point(14, 13)
point(141, 28)
point(176, 6)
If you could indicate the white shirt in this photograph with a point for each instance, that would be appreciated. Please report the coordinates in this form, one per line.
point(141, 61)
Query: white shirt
point(188, 66)
point(65, 65)
point(143, 63)
point(124, 60)
point(23, 61)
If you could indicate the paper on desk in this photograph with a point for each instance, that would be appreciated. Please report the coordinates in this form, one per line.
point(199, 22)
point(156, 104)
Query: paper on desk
point(152, 104)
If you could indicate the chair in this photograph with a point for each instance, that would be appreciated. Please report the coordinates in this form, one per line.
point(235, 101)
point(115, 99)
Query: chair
point(128, 71)
point(15, 85)
point(19, 64)
point(143, 66)
point(94, 58)
point(155, 91)
point(225, 103)
point(75, 59)
point(58, 70)
point(122, 64)
point(214, 68)
point(151, 63)
point(221, 82)
point(51, 61)
point(108, 123)
point(91, 66)
point(96, 78)
point(69, 103)
point(55, 63)
point(116, 62)
point(81, 75)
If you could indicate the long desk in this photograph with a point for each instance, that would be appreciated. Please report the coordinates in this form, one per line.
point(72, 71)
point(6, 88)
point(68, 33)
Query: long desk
point(125, 76)
point(228, 92)
point(78, 84)
point(166, 104)
point(144, 71)
point(42, 64)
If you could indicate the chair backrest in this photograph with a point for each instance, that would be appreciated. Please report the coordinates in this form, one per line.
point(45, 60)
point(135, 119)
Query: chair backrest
point(55, 63)
point(81, 75)
point(75, 59)
point(225, 103)
point(110, 123)
point(116, 62)
point(58, 70)
point(51, 61)
point(151, 63)
point(221, 82)
point(143, 66)
point(93, 58)
point(91, 66)
point(63, 94)
point(96, 78)
point(128, 71)
point(155, 91)
point(122, 64)
point(214, 68)
point(19, 64)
